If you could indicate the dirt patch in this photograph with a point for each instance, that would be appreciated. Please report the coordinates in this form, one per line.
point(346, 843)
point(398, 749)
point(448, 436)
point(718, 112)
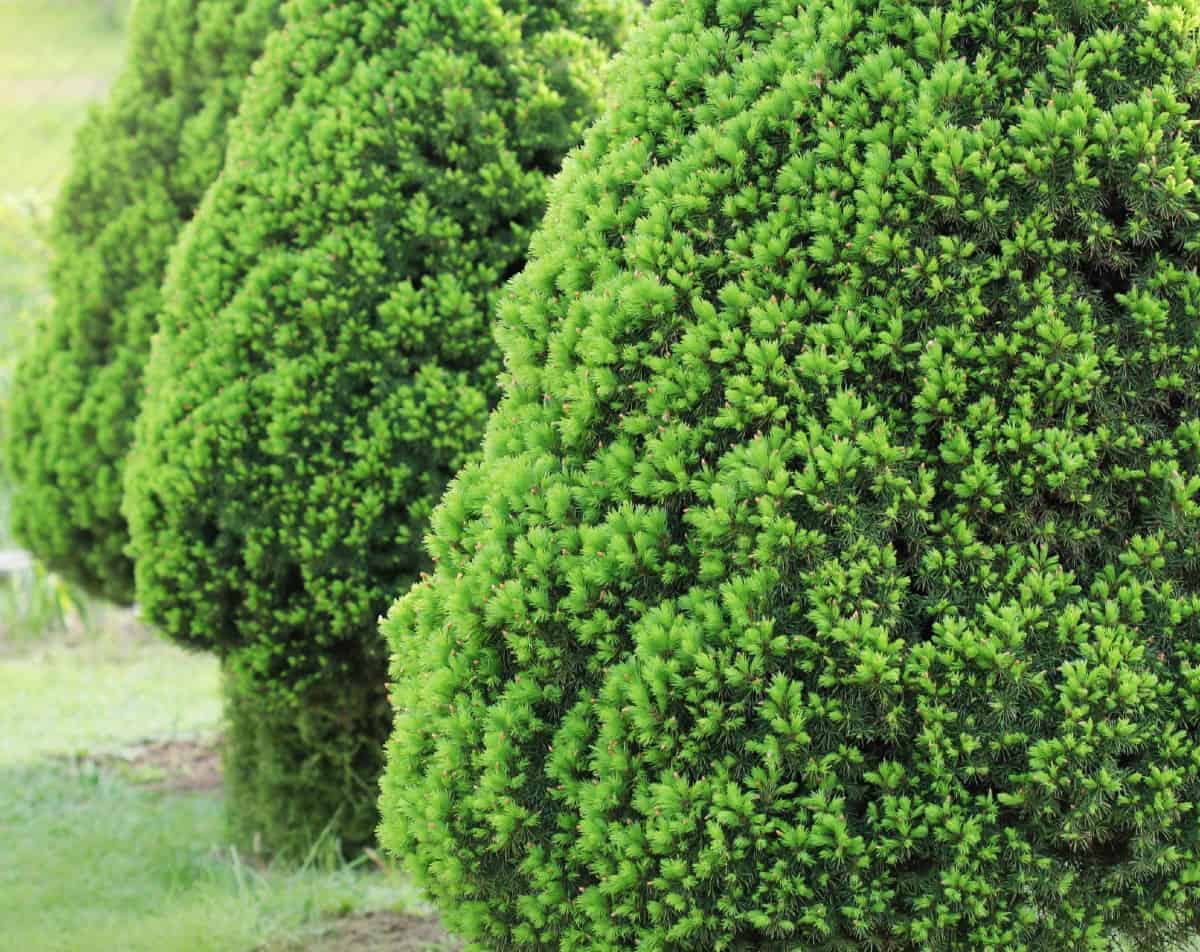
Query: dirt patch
point(376, 932)
point(174, 766)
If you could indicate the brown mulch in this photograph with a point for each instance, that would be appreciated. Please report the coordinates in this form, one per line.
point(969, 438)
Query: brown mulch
point(376, 932)
point(172, 766)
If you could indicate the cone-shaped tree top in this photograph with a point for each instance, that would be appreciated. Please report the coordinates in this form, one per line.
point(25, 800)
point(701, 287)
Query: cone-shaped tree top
point(140, 166)
point(831, 579)
point(326, 360)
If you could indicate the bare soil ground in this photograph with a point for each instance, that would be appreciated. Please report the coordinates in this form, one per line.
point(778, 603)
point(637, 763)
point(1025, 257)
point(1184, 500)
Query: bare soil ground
point(376, 932)
point(175, 766)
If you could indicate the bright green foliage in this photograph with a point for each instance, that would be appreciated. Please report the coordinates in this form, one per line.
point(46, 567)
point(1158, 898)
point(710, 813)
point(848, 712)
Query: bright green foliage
point(325, 362)
point(831, 579)
point(141, 165)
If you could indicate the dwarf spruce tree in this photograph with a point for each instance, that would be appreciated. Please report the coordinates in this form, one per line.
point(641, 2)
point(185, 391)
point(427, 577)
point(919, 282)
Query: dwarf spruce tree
point(831, 577)
point(326, 362)
point(140, 166)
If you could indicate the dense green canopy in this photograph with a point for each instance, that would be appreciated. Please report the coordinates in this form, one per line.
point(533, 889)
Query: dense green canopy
point(831, 579)
point(326, 361)
point(141, 165)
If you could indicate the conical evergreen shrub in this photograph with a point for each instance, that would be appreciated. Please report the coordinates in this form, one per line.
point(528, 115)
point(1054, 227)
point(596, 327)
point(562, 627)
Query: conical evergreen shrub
point(831, 578)
point(140, 166)
point(326, 363)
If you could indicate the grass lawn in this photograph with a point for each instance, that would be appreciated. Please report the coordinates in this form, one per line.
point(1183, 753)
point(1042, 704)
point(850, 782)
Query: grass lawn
point(57, 57)
point(99, 852)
